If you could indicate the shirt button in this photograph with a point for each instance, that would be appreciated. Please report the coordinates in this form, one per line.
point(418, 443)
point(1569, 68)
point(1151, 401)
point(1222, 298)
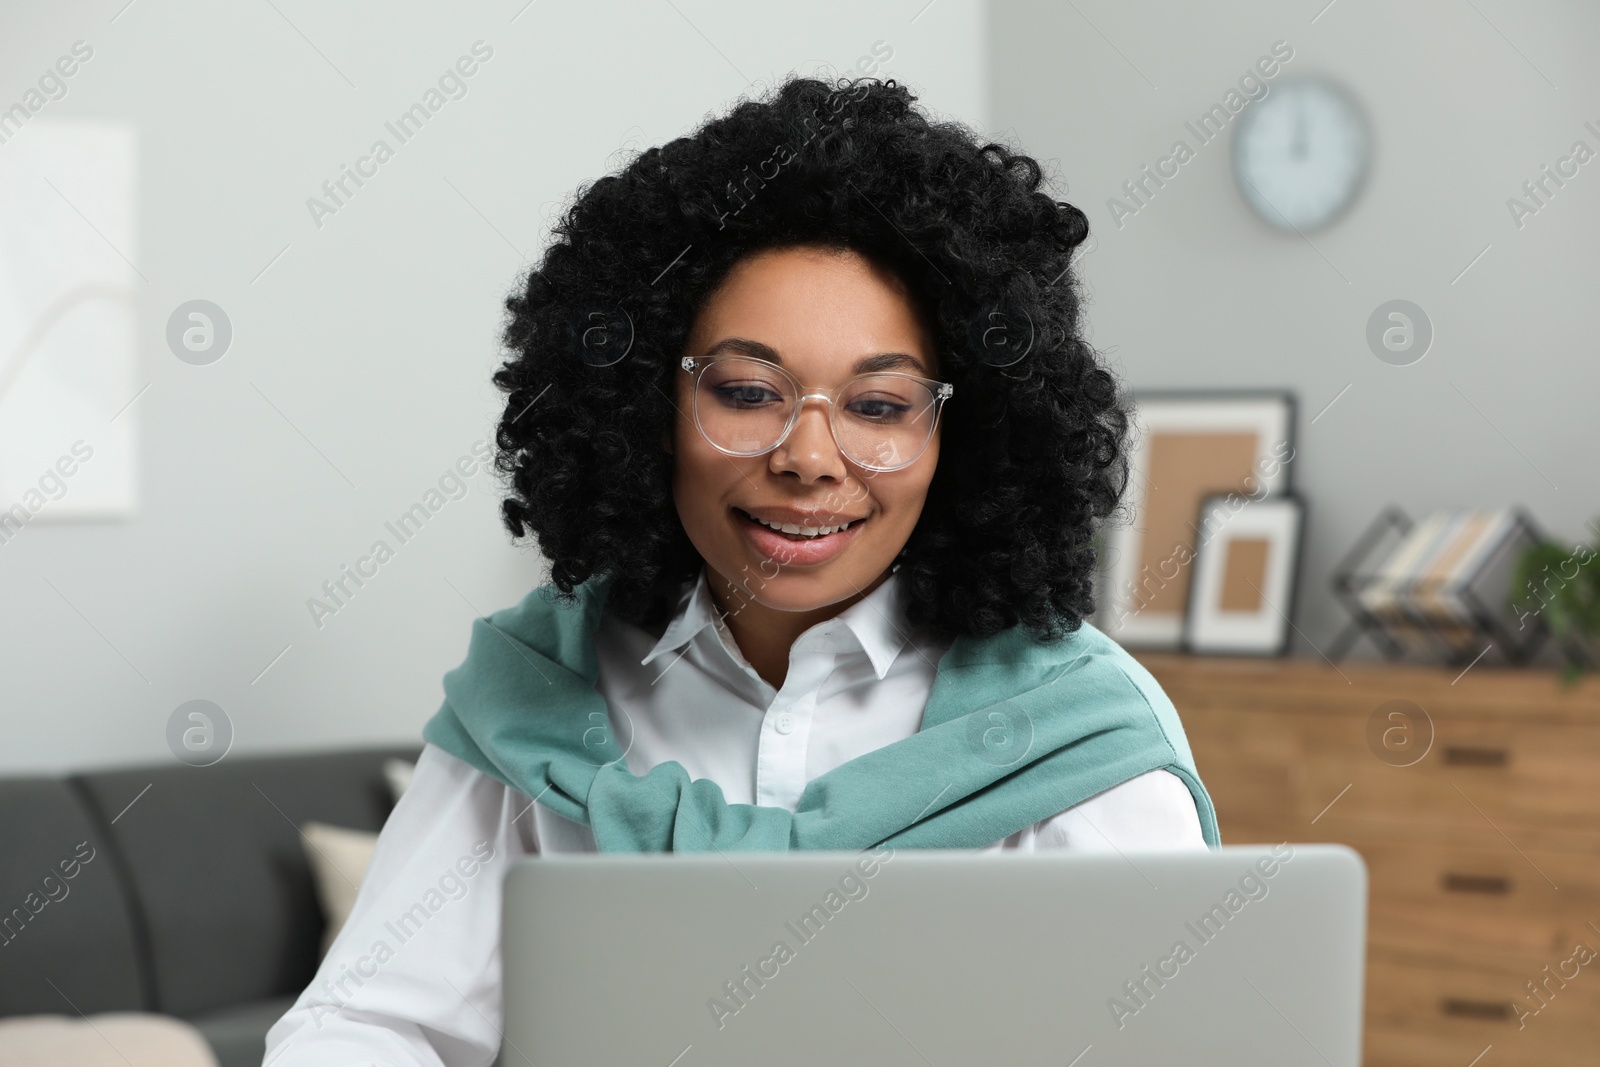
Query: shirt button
point(784, 723)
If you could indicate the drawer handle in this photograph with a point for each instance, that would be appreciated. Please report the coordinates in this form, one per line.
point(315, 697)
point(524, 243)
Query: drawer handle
point(1468, 756)
point(1477, 1009)
point(1476, 883)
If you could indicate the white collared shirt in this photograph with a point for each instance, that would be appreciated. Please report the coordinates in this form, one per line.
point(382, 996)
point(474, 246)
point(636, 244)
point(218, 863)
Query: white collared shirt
point(426, 991)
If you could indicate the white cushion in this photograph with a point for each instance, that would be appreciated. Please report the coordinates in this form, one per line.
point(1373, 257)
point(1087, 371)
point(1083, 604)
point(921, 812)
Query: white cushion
point(398, 773)
point(339, 856)
point(339, 859)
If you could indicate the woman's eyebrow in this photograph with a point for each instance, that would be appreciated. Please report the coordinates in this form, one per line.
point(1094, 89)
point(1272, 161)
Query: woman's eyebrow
point(872, 364)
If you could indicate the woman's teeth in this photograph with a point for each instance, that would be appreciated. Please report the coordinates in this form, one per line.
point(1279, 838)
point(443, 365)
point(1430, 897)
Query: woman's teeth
point(802, 531)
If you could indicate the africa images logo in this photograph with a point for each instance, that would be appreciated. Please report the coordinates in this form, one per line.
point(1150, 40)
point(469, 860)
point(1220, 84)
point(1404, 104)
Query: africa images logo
point(742, 988)
point(1252, 886)
point(452, 85)
point(1254, 84)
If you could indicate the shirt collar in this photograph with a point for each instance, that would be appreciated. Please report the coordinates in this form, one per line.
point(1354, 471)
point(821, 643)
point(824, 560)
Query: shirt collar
point(874, 625)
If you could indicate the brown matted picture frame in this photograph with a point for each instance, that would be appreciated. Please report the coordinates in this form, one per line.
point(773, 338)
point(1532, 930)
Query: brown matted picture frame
point(1187, 445)
point(1246, 575)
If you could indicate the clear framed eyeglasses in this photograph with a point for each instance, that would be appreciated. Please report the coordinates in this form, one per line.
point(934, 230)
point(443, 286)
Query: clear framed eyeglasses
point(881, 421)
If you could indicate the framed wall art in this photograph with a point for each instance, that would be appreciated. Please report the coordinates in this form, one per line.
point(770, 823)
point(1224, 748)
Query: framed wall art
point(1186, 446)
point(69, 323)
point(1246, 569)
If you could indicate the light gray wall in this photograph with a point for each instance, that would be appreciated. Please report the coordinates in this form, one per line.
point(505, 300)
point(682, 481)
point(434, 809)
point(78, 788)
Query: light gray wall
point(359, 369)
point(1467, 101)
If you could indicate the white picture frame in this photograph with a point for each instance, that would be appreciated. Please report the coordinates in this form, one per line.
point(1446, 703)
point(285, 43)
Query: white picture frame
point(1243, 588)
point(1185, 446)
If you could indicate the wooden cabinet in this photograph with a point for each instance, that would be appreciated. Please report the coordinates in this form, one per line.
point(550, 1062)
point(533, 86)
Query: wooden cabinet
point(1475, 800)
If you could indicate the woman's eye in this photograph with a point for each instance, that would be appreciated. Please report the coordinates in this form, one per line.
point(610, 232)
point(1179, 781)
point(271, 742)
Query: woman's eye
point(879, 410)
point(745, 395)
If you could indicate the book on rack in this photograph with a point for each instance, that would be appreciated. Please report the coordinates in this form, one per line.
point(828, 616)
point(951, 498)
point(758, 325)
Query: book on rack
point(1437, 595)
point(1384, 596)
point(1444, 587)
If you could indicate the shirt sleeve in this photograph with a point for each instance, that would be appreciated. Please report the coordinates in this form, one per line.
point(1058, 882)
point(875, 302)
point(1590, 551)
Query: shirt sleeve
point(413, 978)
point(1154, 810)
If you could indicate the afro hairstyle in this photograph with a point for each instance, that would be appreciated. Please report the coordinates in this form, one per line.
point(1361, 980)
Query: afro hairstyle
point(1033, 446)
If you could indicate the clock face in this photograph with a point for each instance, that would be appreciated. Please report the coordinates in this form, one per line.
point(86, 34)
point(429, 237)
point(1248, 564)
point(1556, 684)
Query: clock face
point(1300, 154)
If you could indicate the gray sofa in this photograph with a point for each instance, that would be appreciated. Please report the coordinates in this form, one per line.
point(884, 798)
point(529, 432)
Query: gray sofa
point(196, 901)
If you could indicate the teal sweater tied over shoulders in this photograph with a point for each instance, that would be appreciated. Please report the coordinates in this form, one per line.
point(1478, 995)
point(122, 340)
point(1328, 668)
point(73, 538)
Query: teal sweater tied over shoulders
point(1014, 731)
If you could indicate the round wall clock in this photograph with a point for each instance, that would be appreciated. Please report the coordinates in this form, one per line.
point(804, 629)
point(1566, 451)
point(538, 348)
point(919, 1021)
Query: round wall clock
point(1301, 153)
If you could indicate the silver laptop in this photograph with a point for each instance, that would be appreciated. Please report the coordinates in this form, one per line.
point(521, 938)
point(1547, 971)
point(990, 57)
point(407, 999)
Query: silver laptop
point(916, 957)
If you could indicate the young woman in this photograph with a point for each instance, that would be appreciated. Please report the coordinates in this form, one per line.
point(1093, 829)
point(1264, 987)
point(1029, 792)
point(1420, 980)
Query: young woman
point(802, 417)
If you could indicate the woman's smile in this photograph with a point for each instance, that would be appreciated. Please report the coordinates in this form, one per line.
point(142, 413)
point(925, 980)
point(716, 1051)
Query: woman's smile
point(798, 538)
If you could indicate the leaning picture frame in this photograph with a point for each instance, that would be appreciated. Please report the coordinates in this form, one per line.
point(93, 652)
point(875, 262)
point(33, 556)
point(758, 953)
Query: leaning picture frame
point(1186, 446)
point(1246, 575)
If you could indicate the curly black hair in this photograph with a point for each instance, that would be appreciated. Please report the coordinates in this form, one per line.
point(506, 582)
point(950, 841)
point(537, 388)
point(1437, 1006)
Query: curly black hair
point(1034, 447)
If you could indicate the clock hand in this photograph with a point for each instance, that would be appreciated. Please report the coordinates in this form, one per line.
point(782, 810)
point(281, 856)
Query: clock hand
point(1298, 147)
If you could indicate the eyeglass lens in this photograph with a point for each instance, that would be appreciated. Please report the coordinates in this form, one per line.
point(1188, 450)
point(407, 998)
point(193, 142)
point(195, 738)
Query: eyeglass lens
point(744, 405)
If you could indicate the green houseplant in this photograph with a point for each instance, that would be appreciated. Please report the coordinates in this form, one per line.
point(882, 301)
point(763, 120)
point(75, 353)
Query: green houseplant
point(1561, 585)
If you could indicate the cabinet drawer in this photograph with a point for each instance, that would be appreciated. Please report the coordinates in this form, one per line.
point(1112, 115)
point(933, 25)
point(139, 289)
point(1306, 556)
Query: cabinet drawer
point(1446, 1009)
point(1492, 899)
point(1272, 773)
point(1535, 784)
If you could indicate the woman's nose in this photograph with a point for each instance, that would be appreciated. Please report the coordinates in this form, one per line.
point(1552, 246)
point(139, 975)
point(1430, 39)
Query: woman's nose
point(810, 448)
